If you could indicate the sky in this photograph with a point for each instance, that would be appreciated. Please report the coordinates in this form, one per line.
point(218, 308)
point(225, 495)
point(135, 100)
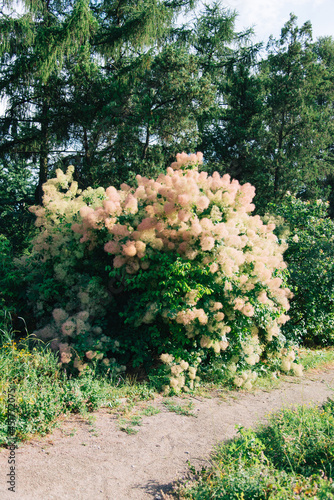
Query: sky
point(268, 16)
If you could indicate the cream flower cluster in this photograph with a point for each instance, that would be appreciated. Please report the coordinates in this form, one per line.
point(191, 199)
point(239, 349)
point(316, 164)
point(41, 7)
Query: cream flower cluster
point(288, 363)
point(62, 201)
point(180, 373)
point(58, 246)
point(245, 380)
point(251, 349)
point(172, 213)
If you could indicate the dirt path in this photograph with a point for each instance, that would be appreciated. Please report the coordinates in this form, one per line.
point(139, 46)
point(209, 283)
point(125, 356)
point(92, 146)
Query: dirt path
point(87, 462)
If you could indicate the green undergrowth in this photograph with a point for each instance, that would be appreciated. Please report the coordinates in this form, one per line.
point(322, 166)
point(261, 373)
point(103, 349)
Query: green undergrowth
point(317, 358)
point(44, 393)
point(311, 359)
point(291, 457)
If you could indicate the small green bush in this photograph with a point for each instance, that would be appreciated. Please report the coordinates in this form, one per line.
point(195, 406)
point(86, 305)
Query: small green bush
point(301, 440)
point(16, 194)
point(8, 282)
point(309, 233)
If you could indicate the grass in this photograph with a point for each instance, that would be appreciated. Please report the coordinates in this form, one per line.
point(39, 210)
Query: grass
point(44, 393)
point(313, 359)
point(41, 391)
point(150, 410)
point(129, 416)
point(291, 457)
point(185, 409)
point(130, 424)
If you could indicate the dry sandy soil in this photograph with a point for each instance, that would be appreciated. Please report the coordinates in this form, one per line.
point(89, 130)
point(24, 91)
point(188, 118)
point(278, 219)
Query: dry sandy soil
point(85, 461)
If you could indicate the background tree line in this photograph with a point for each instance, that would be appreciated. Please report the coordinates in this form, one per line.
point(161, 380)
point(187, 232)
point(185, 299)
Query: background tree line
point(117, 88)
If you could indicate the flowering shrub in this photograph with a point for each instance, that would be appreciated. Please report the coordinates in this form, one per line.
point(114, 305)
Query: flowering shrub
point(201, 279)
point(309, 233)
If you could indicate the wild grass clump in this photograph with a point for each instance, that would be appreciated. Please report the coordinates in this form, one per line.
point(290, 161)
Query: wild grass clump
point(317, 358)
point(290, 457)
point(42, 391)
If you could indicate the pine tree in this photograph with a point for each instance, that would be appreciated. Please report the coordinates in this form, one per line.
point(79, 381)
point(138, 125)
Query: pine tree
point(232, 137)
point(274, 125)
point(324, 50)
point(140, 106)
point(226, 58)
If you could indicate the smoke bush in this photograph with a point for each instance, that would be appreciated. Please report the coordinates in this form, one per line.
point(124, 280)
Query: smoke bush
point(202, 281)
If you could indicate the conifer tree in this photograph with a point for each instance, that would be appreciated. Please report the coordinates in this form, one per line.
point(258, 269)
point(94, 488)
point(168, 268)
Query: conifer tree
point(54, 49)
point(274, 126)
point(226, 57)
point(324, 50)
point(298, 123)
point(33, 47)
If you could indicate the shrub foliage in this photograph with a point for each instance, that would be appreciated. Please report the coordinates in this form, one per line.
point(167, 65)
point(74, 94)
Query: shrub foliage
point(309, 233)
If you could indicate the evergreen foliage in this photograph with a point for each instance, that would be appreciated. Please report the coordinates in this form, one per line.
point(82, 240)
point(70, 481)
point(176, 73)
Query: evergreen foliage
point(276, 127)
point(54, 55)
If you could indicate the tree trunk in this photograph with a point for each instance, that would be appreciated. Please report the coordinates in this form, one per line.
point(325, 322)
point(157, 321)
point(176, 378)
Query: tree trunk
point(146, 142)
point(277, 177)
point(44, 151)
